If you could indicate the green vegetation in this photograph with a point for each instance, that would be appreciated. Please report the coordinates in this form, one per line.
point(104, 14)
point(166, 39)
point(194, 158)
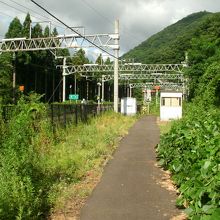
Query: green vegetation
point(191, 149)
point(191, 152)
point(36, 165)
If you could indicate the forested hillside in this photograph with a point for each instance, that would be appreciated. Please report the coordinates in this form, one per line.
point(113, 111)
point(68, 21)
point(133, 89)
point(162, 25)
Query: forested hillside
point(170, 44)
point(197, 34)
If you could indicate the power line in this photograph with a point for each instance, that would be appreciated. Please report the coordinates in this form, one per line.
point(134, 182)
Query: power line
point(99, 13)
point(107, 19)
point(3, 13)
point(73, 30)
point(23, 11)
point(29, 9)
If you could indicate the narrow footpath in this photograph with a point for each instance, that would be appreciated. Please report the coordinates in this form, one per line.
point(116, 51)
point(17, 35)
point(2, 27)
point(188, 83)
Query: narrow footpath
point(129, 188)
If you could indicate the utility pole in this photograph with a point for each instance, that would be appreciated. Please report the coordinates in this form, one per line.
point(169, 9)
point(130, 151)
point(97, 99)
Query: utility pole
point(75, 89)
point(98, 84)
point(116, 67)
point(64, 79)
point(130, 90)
point(14, 76)
point(87, 90)
point(103, 89)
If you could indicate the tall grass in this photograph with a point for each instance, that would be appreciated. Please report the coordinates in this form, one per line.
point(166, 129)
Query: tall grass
point(36, 165)
point(84, 148)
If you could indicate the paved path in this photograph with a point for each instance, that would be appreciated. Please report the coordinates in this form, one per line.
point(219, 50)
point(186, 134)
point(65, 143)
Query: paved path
point(128, 189)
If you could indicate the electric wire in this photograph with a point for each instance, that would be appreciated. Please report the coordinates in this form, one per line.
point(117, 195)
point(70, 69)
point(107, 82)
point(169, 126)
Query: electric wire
point(29, 9)
point(96, 11)
point(107, 19)
point(44, 9)
point(3, 13)
point(22, 11)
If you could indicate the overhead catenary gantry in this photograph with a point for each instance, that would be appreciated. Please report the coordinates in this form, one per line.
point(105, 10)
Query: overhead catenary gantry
point(145, 76)
point(162, 85)
point(167, 86)
point(168, 76)
point(90, 69)
point(57, 42)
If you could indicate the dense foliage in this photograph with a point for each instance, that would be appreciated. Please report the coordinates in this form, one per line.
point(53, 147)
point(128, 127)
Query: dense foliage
point(23, 185)
point(204, 54)
point(191, 149)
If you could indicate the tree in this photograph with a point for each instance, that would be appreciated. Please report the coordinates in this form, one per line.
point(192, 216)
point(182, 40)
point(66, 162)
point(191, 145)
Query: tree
point(99, 60)
point(46, 31)
point(26, 26)
point(108, 61)
point(5, 78)
point(54, 32)
point(37, 31)
point(79, 58)
point(15, 29)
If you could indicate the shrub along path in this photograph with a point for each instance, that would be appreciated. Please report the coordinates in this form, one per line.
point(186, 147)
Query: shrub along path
point(129, 188)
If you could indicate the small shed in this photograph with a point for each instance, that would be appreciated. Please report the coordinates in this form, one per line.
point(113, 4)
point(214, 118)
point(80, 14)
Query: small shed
point(170, 105)
point(128, 106)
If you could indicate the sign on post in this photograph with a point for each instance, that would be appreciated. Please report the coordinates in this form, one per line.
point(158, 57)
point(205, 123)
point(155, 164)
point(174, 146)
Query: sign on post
point(73, 96)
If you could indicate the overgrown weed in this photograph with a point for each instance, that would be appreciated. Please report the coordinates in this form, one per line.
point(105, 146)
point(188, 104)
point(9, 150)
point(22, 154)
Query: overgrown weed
point(39, 167)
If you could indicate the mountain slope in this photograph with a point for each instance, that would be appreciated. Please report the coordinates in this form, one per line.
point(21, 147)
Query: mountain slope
point(170, 44)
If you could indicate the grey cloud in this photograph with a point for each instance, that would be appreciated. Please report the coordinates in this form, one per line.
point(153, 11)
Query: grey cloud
point(139, 19)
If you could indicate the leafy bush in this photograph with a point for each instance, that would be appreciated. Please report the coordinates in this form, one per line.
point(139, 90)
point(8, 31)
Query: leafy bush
point(20, 189)
point(191, 151)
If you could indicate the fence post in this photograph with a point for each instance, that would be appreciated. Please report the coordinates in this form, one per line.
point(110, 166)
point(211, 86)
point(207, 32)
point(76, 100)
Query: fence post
point(85, 113)
point(76, 114)
point(59, 113)
point(81, 113)
point(64, 115)
point(52, 121)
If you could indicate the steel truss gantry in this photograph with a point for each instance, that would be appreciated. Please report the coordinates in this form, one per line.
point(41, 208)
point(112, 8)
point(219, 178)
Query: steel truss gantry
point(146, 76)
point(177, 86)
point(163, 85)
point(91, 69)
point(169, 76)
point(58, 42)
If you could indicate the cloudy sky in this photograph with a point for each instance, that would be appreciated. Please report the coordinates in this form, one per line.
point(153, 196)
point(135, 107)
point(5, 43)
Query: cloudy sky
point(139, 19)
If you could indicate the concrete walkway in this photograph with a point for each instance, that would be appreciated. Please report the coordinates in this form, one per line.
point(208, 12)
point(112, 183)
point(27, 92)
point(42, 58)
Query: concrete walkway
point(128, 189)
